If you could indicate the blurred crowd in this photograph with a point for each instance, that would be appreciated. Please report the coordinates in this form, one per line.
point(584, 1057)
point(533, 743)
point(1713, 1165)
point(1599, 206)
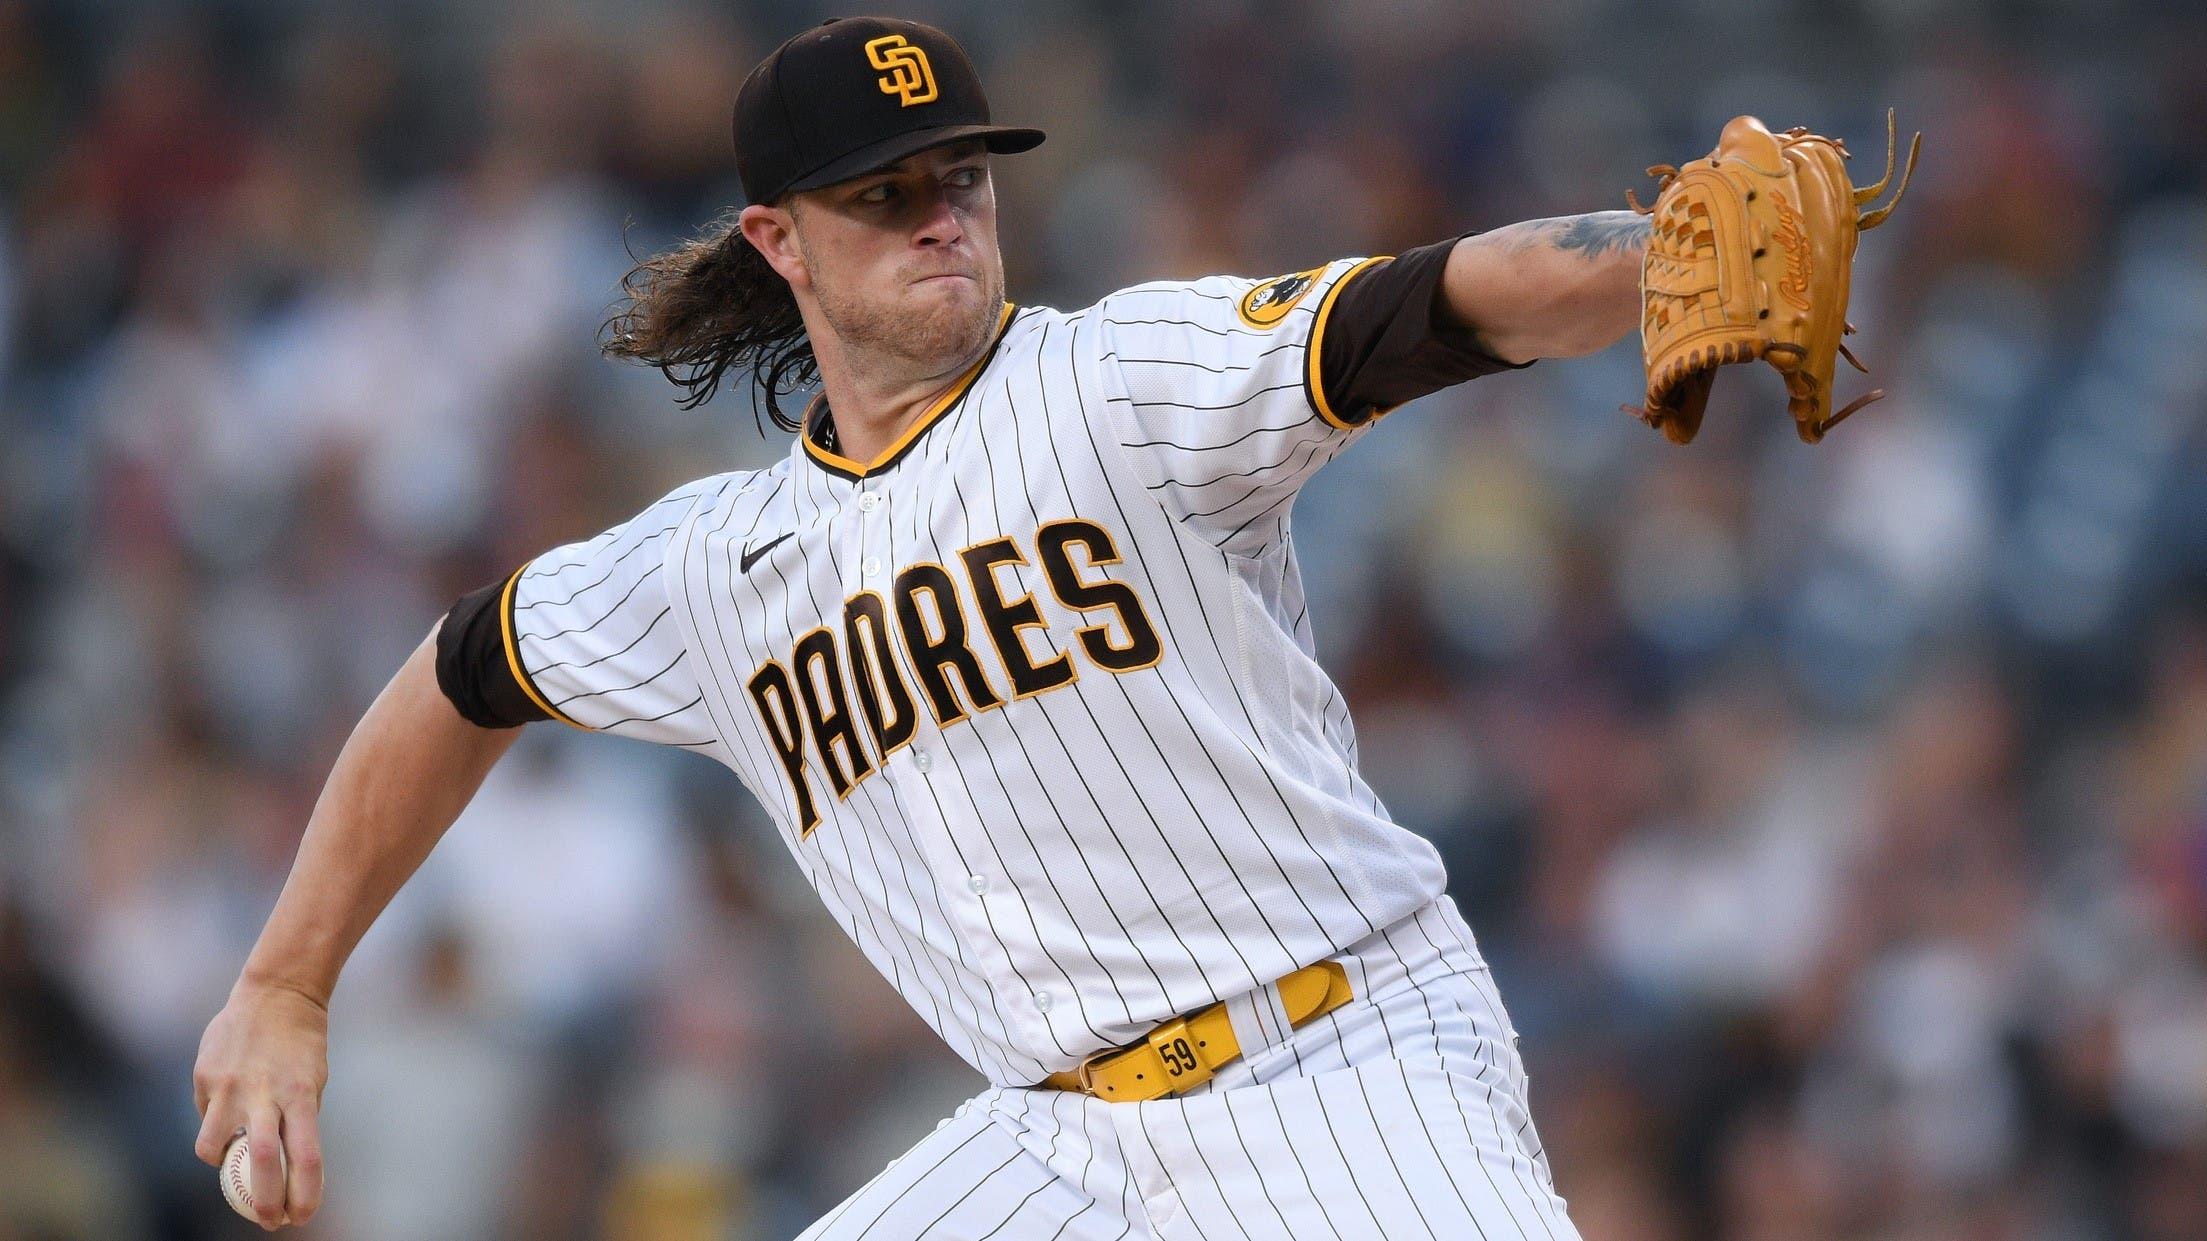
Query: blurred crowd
point(1835, 818)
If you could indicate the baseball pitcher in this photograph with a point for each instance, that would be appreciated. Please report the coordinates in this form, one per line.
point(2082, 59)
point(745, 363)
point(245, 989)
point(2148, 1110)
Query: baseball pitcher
point(1012, 645)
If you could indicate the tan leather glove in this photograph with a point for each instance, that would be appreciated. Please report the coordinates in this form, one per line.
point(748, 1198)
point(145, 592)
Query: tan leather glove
point(1750, 257)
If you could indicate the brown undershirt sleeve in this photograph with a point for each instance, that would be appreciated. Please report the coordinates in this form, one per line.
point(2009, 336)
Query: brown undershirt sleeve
point(1390, 338)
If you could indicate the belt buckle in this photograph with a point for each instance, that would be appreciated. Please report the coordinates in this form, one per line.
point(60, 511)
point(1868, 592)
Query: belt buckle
point(1176, 1050)
point(1084, 1072)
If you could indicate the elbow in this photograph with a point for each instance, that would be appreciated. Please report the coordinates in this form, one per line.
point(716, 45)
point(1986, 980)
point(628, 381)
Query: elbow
point(1517, 350)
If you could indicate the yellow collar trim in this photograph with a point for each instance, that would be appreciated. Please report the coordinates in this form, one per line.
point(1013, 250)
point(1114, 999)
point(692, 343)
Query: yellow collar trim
point(844, 465)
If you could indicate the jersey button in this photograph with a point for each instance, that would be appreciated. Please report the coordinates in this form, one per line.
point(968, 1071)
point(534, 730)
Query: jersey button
point(922, 760)
point(868, 502)
point(1042, 1001)
point(872, 566)
point(979, 883)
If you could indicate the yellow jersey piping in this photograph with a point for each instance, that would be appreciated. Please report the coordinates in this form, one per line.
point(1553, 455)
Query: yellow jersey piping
point(1311, 376)
point(513, 654)
point(843, 466)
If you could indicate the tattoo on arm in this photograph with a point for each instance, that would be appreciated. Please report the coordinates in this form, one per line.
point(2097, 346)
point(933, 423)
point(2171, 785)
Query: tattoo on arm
point(1602, 232)
point(1561, 287)
point(1589, 236)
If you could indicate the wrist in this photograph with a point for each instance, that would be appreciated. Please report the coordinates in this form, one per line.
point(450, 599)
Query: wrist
point(258, 982)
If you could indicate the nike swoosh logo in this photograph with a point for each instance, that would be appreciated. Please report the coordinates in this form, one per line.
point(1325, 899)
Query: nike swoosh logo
point(751, 554)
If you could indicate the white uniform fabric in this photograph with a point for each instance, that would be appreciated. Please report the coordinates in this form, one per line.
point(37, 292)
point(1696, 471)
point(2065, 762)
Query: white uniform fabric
point(1398, 1115)
point(1032, 698)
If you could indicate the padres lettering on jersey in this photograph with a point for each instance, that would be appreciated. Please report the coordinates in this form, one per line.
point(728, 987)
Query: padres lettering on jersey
point(1033, 696)
point(932, 635)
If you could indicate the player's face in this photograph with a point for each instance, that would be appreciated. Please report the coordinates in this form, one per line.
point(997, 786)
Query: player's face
point(904, 261)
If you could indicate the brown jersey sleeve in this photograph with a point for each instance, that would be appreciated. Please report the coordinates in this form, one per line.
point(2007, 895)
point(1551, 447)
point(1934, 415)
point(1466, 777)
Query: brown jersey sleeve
point(472, 668)
point(1390, 337)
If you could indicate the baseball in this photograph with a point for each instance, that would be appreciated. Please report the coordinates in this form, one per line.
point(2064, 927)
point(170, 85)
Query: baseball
point(236, 1184)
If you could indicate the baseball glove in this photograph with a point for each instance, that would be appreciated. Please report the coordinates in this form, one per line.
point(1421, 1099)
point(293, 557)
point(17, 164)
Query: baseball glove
point(1749, 257)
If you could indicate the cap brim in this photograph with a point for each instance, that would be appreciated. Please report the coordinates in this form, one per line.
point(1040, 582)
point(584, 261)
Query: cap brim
point(1000, 140)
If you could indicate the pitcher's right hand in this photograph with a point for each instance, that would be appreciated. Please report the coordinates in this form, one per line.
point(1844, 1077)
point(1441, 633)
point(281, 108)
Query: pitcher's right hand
point(262, 1065)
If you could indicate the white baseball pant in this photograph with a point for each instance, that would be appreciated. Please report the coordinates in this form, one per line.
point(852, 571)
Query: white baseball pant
point(1401, 1114)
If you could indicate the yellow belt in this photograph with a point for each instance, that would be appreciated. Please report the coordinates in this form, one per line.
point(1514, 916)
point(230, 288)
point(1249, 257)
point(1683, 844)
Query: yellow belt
point(1183, 1053)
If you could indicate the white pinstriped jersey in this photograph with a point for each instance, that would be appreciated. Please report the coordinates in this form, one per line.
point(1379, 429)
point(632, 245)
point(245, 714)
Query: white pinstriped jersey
point(1032, 698)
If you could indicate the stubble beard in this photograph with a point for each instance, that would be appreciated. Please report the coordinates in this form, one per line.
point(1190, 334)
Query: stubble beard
point(937, 339)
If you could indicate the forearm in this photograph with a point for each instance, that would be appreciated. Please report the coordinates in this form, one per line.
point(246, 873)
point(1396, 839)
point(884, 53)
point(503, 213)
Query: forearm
point(1554, 288)
point(409, 768)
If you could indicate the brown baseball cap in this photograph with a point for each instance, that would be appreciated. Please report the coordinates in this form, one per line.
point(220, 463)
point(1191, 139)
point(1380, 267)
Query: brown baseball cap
point(855, 94)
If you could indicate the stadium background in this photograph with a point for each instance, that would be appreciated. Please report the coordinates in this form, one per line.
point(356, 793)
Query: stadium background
point(1835, 819)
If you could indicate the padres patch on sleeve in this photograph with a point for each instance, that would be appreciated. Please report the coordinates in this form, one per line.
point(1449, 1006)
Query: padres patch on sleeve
point(1268, 303)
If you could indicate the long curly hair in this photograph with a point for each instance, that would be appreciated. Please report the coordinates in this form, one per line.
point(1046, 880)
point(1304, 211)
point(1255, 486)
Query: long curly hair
point(710, 305)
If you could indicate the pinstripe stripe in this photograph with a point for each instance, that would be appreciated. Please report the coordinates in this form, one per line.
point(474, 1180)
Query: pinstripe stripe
point(1302, 1169)
point(1211, 1182)
point(1257, 1174)
point(1363, 1091)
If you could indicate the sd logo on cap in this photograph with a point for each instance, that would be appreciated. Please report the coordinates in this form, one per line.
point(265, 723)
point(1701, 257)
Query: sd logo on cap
point(910, 78)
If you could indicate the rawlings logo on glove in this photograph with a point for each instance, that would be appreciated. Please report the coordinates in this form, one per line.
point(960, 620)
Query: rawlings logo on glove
point(1762, 212)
